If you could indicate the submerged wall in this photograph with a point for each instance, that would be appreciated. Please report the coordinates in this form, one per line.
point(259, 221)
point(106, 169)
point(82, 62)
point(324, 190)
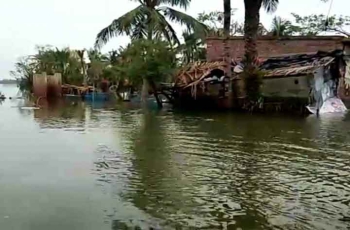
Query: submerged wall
point(297, 87)
point(47, 85)
point(272, 46)
point(54, 85)
point(40, 85)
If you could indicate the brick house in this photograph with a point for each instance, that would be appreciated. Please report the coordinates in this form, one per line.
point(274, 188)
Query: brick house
point(272, 46)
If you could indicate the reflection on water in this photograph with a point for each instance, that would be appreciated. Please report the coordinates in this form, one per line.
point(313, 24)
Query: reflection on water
point(122, 168)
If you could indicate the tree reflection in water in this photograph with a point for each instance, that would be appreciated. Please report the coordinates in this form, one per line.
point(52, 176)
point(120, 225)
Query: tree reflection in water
point(228, 171)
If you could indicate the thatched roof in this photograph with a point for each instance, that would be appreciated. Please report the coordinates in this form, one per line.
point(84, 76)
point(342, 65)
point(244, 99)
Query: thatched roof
point(297, 64)
point(193, 73)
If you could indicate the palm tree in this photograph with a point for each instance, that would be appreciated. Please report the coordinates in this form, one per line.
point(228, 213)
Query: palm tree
point(251, 27)
point(148, 20)
point(281, 27)
point(113, 57)
point(227, 29)
point(81, 54)
point(193, 47)
point(97, 63)
point(62, 59)
point(227, 17)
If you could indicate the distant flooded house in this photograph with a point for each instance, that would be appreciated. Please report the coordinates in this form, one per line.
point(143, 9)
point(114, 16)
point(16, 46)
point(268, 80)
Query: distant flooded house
point(289, 66)
point(311, 79)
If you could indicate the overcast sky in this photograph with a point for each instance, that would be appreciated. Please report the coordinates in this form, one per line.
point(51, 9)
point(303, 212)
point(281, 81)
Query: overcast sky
point(75, 23)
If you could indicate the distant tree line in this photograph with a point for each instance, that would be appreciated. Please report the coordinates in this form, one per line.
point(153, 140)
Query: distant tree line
point(156, 51)
point(8, 81)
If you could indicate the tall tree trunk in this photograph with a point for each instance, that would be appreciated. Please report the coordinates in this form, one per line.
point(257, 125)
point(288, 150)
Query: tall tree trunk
point(227, 17)
point(144, 91)
point(252, 78)
point(145, 82)
point(154, 88)
point(227, 27)
point(120, 83)
point(83, 67)
point(149, 82)
point(251, 26)
point(227, 56)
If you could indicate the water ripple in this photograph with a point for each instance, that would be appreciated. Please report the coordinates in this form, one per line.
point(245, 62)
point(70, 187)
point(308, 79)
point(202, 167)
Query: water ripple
point(192, 173)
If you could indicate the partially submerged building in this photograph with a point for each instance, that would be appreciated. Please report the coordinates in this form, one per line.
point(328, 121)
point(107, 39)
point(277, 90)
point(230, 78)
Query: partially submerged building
point(289, 66)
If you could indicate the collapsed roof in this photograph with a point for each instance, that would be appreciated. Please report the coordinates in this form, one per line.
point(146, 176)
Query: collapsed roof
point(300, 64)
point(195, 72)
point(282, 66)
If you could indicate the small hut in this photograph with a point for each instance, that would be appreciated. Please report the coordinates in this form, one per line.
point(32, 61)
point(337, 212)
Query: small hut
point(303, 78)
point(202, 82)
point(293, 76)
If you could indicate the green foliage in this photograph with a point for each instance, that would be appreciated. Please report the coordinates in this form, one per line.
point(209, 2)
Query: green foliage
point(50, 60)
point(95, 70)
point(149, 21)
point(152, 60)
point(310, 25)
point(214, 20)
point(252, 83)
point(281, 27)
point(270, 5)
point(192, 49)
point(24, 71)
point(313, 25)
point(54, 60)
point(112, 73)
point(96, 55)
point(215, 24)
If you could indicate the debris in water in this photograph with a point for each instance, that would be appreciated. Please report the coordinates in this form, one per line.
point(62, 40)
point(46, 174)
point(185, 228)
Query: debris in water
point(29, 108)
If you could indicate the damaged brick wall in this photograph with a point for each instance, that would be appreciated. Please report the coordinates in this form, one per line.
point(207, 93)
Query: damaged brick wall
point(270, 46)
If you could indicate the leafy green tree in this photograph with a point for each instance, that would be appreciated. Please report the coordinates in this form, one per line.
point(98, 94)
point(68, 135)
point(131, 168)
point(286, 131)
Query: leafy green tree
point(115, 73)
point(24, 72)
point(54, 60)
point(314, 24)
point(215, 23)
point(45, 59)
point(50, 60)
point(149, 20)
point(149, 62)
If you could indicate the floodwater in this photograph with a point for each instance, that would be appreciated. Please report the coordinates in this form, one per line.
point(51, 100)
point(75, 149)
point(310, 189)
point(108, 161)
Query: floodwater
point(82, 166)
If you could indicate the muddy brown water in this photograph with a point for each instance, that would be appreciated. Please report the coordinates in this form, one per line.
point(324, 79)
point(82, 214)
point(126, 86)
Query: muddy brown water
point(84, 166)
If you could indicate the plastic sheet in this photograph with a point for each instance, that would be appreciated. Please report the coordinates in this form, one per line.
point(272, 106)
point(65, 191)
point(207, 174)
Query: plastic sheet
point(331, 105)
